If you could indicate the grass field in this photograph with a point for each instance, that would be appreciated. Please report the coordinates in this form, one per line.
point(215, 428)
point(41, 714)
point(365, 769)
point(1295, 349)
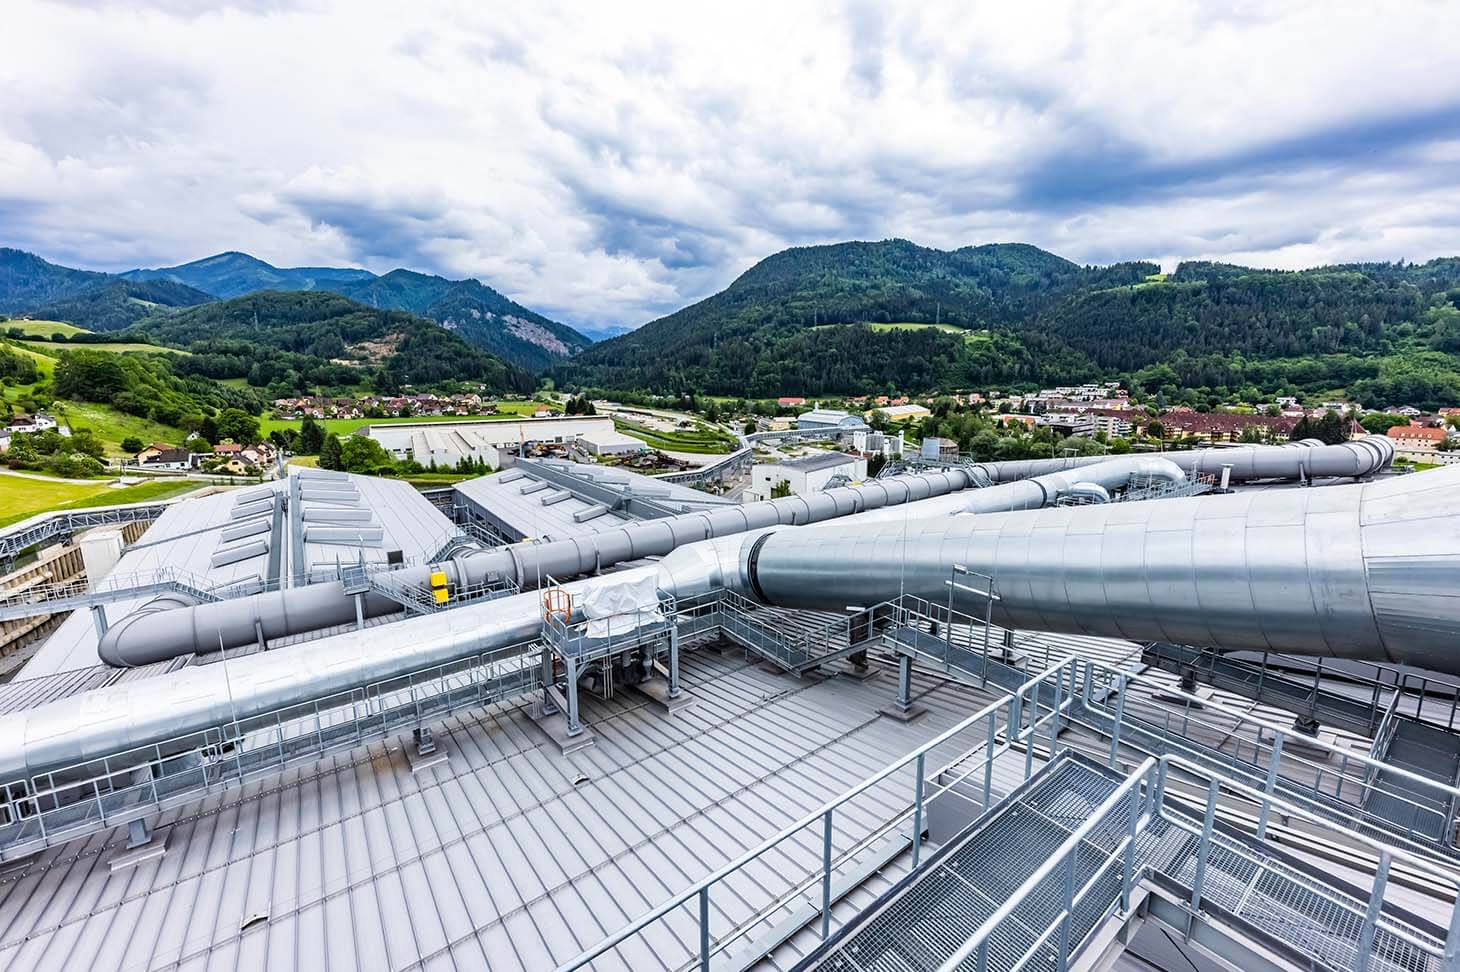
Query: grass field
point(44, 328)
point(21, 496)
point(702, 439)
point(912, 326)
point(54, 348)
point(505, 411)
point(112, 426)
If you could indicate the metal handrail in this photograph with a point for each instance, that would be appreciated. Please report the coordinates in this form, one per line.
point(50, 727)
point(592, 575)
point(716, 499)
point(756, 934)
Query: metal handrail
point(1153, 773)
point(1450, 793)
point(1369, 762)
point(1070, 670)
point(105, 793)
point(700, 889)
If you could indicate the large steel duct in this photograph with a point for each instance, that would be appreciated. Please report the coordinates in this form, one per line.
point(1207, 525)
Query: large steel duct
point(1359, 571)
point(161, 631)
point(157, 634)
point(1295, 460)
point(149, 711)
point(1041, 490)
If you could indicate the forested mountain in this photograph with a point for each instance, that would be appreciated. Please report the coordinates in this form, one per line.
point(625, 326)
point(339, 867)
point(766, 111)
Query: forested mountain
point(27, 281)
point(291, 343)
point(481, 316)
point(861, 316)
point(115, 303)
point(807, 320)
point(478, 313)
point(234, 274)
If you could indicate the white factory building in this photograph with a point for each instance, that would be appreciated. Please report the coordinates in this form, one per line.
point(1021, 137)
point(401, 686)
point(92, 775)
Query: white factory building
point(447, 443)
point(805, 474)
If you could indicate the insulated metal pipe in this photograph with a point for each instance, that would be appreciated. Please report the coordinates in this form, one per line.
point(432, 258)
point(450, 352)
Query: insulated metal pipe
point(1363, 571)
point(152, 634)
point(1358, 571)
point(1293, 460)
point(1040, 490)
point(134, 714)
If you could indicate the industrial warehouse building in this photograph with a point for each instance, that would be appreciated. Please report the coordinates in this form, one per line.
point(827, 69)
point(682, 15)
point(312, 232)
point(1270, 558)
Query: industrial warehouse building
point(804, 475)
point(446, 443)
point(1084, 714)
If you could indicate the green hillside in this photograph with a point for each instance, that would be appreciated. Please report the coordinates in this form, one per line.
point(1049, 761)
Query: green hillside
point(291, 343)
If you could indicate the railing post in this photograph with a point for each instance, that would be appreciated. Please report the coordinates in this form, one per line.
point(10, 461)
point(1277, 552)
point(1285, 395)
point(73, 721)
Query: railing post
point(1205, 849)
point(1371, 917)
point(1119, 718)
point(1451, 962)
point(1272, 778)
point(988, 761)
point(917, 834)
point(705, 929)
point(1068, 921)
point(1029, 742)
point(1128, 870)
point(826, 876)
point(1054, 719)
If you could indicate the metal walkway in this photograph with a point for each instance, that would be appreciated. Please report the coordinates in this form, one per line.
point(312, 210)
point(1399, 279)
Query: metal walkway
point(1348, 695)
point(927, 917)
point(793, 641)
point(990, 899)
point(44, 599)
point(1383, 801)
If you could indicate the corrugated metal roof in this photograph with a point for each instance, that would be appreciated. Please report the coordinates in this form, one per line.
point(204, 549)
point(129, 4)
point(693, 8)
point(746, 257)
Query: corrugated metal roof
point(500, 497)
point(188, 535)
point(510, 855)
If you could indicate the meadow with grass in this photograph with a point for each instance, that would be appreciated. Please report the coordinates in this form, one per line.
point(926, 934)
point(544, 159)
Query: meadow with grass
point(27, 495)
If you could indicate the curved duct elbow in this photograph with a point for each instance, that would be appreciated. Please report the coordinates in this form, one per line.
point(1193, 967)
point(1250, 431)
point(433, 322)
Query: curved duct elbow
point(1087, 493)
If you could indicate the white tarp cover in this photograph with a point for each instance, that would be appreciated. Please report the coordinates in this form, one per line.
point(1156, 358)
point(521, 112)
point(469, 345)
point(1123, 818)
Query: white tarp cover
point(614, 606)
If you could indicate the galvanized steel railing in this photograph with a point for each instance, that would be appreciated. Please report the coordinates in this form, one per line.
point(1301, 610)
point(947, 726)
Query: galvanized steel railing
point(1013, 721)
point(58, 806)
point(1017, 721)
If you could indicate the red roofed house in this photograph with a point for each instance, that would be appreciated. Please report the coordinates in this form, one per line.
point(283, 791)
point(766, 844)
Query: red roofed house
point(1416, 438)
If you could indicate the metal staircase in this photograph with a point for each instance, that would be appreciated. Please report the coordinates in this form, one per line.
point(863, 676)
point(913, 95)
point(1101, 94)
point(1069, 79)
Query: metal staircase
point(1426, 751)
point(42, 599)
point(1025, 886)
point(1345, 791)
point(929, 915)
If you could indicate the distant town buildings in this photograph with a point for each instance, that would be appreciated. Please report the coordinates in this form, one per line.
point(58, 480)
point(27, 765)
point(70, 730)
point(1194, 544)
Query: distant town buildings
point(392, 406)
point(445, 444)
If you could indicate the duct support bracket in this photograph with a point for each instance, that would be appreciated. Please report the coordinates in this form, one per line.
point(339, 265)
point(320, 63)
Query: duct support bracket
point(142, 846)
point(902, 708)
point(425, 752)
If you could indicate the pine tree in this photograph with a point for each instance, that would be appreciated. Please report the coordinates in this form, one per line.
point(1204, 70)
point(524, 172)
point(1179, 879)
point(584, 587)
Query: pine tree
point(329, 453)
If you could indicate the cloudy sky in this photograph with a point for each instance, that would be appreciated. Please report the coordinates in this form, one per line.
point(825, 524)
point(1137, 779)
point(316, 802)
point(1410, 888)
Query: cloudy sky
point(609, 162)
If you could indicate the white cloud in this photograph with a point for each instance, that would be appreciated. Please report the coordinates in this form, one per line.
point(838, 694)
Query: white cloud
point(610, 162)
